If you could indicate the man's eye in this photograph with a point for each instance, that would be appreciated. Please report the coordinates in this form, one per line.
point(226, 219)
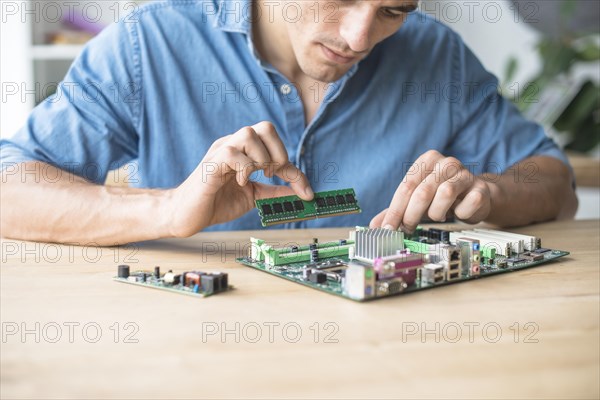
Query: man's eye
point(393, 14)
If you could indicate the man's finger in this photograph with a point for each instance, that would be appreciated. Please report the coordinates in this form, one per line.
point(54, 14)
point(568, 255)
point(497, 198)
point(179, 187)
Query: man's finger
point(268, 135)
point(475, 206)
point(448, 193)
point(418, 205)
point(250, 143)
point(297, 180)
point(230, 159)
point(418, 172)
point(378, 219)
point(281, 164)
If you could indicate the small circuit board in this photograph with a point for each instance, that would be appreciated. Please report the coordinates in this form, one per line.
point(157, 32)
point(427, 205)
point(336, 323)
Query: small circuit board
point(377, 263)
point(280, 210)
point(192, 283)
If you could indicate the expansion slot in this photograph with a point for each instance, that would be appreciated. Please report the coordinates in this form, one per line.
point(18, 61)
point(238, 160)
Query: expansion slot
point(529, 242)
point(294, 254)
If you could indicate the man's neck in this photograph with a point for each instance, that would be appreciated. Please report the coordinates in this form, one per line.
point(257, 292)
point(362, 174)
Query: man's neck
point(271, 40)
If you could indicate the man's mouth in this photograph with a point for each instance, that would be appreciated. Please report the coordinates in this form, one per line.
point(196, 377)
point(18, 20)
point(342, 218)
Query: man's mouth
point(337, 57)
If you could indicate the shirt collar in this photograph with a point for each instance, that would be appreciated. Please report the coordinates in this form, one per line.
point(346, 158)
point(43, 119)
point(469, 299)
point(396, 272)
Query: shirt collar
point(234, 16)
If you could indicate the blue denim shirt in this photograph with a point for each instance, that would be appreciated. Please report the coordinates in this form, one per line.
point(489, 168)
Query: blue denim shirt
point(162, 85)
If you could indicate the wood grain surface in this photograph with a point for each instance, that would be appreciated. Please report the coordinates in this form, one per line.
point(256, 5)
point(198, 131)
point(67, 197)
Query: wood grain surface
point(69, 331)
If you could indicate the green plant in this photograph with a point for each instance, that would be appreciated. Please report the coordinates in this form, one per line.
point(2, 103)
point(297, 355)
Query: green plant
point(580, 119)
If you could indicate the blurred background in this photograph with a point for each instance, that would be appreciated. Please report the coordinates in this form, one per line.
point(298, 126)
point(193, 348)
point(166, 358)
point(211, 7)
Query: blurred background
point(546, 54)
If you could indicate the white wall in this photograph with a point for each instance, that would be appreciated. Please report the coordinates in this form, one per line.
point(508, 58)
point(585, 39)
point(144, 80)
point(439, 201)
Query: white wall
point(15, 68)
point(493, 30)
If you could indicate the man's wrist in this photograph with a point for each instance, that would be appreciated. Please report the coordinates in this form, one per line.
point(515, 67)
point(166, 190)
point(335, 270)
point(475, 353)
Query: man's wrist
point(165, 220)
point(175, 220)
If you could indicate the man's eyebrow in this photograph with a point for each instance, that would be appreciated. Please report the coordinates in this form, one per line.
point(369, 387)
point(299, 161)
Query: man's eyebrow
point(405, 8)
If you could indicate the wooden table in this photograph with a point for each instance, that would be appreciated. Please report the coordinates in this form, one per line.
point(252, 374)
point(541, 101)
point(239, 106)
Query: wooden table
point(533, 333)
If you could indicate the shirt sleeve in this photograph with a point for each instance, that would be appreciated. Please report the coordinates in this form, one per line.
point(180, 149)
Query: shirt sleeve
point(489, 132)
point(88, 127)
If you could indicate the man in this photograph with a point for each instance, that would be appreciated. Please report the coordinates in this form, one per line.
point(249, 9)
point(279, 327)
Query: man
point(356, 94)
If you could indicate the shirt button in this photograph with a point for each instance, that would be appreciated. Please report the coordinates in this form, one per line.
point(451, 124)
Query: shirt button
point(286, 89)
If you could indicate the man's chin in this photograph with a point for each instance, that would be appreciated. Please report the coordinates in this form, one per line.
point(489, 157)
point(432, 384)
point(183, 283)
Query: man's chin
point(326, 73)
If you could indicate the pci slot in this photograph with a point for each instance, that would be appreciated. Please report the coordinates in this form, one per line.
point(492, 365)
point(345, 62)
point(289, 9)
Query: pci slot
point(529, 242)
point(501, 246)
point(516, 245)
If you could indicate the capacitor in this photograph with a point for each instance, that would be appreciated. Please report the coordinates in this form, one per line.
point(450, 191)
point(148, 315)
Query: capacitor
point(169, 278)
point(144, 276)
point(306, 271)
point(314, 256)
point(123, 271)
point(318, 277)
point(157, 272)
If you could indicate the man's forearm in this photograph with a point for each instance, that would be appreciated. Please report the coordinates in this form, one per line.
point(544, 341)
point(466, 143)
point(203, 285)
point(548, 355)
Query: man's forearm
point(69, 209)
point(535, 190)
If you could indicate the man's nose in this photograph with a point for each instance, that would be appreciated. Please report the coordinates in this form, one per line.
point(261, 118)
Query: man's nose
point(356, 28)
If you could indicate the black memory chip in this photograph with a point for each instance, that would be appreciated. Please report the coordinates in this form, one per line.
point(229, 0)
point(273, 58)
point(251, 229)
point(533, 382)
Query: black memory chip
point(298, 205)
point(320, 201)
point(278, 208)
point(330, 201)
point(287, 205)
point(340, 199)
point(350, 199)
point(266, 209)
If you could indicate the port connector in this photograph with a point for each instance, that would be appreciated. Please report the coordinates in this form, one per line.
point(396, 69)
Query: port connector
point(455, 255)
point(392, 286)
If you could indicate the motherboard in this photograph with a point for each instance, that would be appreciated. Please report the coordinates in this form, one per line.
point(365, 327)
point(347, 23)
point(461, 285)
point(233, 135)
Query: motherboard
point(376, 263)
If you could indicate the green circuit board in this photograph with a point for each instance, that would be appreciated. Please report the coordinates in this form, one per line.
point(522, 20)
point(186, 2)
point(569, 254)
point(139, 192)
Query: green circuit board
point(334, 267)
point(280, 210)
point(191, 283)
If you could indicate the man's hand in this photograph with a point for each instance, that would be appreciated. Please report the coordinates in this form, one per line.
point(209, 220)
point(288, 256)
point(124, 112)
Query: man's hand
point(436, 185)
point(220, 190)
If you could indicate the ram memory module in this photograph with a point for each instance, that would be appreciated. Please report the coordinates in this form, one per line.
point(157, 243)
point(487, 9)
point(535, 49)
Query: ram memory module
point(280, 210)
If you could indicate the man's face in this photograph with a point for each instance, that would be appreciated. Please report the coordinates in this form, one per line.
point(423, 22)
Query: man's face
point(330, 36)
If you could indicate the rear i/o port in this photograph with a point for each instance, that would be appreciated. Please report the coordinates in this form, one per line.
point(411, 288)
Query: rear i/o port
point(455, 255)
